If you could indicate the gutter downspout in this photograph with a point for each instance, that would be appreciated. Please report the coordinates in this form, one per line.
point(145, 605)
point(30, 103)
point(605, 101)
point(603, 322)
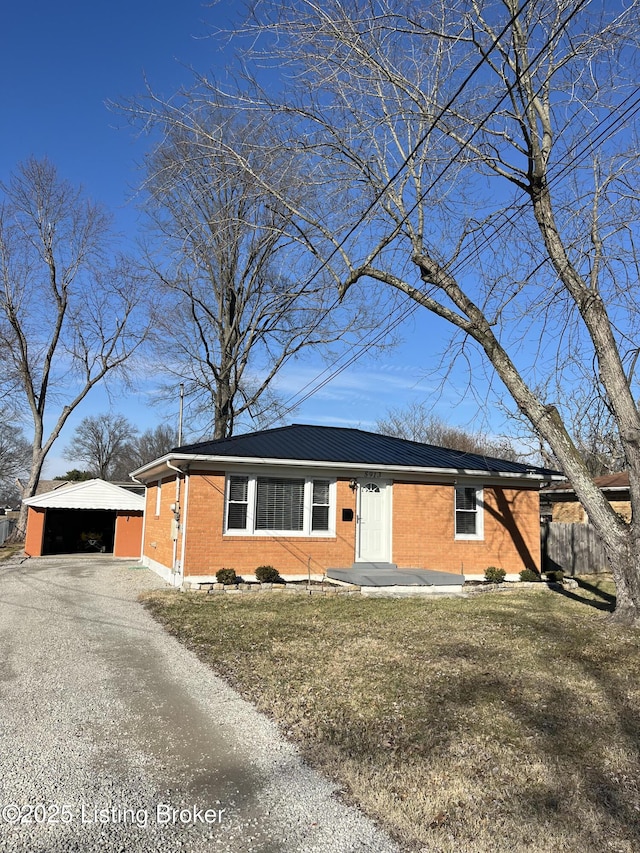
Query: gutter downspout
point(184, 515)
point(176, 567)
point(144, 517)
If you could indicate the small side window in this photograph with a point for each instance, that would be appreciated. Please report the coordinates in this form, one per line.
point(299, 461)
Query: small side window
point(468, 512)
point(237, 503)
point(320, 505)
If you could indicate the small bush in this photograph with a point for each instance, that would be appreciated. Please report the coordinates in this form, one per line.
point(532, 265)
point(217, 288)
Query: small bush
point(555, 577)
point(494, 575)
point(529, 575)
point(267, 574)
point(227, 576)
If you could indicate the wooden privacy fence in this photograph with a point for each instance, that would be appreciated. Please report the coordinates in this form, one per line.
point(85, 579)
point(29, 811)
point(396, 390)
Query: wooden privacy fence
point(574, 548)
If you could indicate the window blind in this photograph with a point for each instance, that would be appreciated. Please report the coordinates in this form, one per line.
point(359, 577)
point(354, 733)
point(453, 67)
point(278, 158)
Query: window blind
point(279, 504)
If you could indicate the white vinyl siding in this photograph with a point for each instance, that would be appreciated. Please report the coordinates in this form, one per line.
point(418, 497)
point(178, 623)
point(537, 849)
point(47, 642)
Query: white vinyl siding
point(299, 506)
point(469, 522)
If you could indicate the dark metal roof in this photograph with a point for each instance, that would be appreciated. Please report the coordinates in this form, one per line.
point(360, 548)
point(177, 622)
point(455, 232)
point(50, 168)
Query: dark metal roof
point(355, 446)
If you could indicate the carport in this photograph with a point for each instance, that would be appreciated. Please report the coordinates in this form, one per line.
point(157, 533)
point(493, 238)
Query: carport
point(92, 516)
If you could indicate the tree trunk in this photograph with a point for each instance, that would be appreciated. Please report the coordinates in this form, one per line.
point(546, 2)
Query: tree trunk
point(29, 490)
point(625, 563)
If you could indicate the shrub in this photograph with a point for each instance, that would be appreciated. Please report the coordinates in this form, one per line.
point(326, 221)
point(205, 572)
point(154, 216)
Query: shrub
point(267, 574)
point(529, 575)
point(555, 577)
point(494, 575)
point(227, 576)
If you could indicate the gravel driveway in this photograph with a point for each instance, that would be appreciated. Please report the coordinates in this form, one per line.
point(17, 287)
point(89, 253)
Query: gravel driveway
point(115, 738)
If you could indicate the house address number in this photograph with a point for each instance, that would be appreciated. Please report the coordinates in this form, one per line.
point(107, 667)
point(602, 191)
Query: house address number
point(373, 475)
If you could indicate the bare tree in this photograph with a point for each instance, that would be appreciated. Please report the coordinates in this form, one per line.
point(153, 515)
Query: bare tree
point(152, 444)
point(480, 158)
point(68, 313)
point(416, 423)
point(104, 443)
point(110, 446)
point(596, 435)
point(233, 264)
point(15, 456)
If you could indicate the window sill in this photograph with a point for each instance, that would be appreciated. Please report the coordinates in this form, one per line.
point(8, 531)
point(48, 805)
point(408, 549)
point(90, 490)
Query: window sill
point(278, 534)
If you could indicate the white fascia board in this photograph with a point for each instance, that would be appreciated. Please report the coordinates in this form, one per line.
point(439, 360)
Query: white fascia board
point(353, 468)
point(552, 492)
point(147, 471)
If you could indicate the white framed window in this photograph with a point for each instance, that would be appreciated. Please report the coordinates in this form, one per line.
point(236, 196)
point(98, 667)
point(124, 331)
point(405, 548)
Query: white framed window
point(469, 512)
point(237, 503)
point(320, 505)
point(292, 506)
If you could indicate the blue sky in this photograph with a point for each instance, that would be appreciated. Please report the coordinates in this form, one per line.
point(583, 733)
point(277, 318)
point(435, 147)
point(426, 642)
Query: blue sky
point(59, 66)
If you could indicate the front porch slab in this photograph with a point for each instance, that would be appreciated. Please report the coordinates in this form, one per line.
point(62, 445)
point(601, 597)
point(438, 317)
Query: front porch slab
point(385, 574)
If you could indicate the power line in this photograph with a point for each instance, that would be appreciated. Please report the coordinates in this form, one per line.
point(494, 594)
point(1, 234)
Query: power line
point(380, 194)
point(460, 262)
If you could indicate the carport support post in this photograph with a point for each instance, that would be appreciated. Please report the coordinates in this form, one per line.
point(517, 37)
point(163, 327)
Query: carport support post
point(34, 537)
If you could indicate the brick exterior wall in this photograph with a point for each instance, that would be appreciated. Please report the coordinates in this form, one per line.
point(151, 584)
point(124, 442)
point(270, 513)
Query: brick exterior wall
point(208, 550)
point(422, 532)
point(571, 512)
point(158, 544)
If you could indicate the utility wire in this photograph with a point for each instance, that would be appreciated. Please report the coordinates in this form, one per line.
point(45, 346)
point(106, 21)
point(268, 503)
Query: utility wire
point(458, 267)
point(473, 253)
point(380, 194)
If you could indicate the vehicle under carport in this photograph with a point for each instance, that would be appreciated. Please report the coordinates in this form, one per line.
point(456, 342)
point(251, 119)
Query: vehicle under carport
point(67, 531)
point(90, 516)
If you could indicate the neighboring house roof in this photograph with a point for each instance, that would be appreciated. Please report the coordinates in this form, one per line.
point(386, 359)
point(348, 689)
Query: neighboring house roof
point(89, 494)
point(48, 485)
point(136, 488)
point(608, 483)
point(301, 443)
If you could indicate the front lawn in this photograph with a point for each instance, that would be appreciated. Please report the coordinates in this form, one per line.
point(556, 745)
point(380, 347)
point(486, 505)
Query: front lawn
point(507, 722)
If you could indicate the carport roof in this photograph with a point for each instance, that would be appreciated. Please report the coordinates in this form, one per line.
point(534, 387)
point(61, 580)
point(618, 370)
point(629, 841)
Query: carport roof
point(89, 494)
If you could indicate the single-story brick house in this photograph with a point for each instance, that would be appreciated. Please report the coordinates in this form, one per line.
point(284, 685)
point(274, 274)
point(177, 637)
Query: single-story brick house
point(312, 499)
point(90, 516)
point(566, 508)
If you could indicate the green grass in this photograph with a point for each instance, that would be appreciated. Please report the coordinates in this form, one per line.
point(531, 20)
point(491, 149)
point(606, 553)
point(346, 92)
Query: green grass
point(503, 722)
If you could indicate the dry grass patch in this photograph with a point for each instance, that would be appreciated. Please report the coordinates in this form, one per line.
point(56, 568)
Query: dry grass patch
point(506, 722)
point(7, 550)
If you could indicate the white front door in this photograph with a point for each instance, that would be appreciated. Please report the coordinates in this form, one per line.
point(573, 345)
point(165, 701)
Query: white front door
point(373, 537)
